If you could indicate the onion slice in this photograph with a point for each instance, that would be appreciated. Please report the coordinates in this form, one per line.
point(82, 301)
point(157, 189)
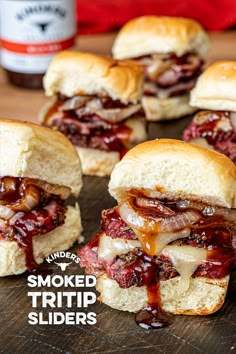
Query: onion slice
point(29, 201)
point(155, 205)
point(116, 115)
point(5, 212)
point(232, 118)
point(151, 224)
point(208, 210)
point(75, 102)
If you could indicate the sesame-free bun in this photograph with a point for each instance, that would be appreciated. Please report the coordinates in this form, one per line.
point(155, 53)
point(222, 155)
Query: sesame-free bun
point(157, 109)
point(12, 257)
point(175, 170)
point(29, 150)
point(203, 297)
point(215, 88)
point(72, 72)
point(153, 34)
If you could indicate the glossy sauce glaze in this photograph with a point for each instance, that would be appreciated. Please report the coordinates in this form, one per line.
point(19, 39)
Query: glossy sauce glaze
point(137, 268)
point(152, 316)
point(90, 131)
point(209, 131)
point(23, 225)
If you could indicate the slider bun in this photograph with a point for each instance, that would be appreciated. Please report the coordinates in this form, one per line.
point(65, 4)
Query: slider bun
point(203, 297)
point(173, 169)
point(97, 162)
point(215, 88)
point(101, 163)
point(153, 34)
point(72, 73)
point(29, 150)
point(12, 257)
point(157, 109)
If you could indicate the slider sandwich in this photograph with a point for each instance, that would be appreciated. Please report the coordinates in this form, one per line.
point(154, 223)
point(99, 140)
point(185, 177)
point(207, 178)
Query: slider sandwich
point(39, 169)
point(96, 104)
point(215, 126)
point(171, 50)
point(166, 247)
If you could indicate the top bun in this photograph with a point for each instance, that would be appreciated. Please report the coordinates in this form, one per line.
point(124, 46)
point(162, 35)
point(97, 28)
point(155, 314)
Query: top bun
point(174, 169)
point(29, 150)
point(152, 34)
point(216, 87)
point(72, 73)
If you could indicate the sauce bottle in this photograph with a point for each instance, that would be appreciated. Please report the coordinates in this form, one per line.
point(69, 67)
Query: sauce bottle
point(32, 32)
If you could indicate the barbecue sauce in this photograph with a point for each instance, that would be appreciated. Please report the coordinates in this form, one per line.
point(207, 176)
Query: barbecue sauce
point(152, 316)
point(81, 131)
point(37, 221)
point(32, 32)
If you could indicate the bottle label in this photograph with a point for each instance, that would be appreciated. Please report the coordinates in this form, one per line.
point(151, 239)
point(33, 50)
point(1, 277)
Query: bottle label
point(32, 32)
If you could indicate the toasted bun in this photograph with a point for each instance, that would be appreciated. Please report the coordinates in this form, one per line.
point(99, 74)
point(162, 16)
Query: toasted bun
point(101, 163)
point(203, 297)
point(176, 170)
point(216, 87)
point(29, 150)
point(157, 109)
point(152, 34)
point(12, 257)
point(72, 73)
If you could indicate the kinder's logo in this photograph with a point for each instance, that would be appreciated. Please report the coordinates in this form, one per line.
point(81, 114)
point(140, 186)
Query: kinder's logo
point(63, 266)
point(57, 258)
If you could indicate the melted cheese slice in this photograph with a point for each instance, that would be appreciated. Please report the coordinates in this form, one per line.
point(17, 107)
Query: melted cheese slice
point(154, 243)
point(186, 260)
point(109, 247)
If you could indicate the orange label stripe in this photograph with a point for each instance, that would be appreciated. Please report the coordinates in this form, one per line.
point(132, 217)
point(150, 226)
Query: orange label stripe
point(37, 48)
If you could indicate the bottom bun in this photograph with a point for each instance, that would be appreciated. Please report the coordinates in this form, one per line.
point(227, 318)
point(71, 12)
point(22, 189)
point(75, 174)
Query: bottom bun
point(97, 162)
point(12, 257)
point(203, 297)
point(101, 163)
point(157, 109)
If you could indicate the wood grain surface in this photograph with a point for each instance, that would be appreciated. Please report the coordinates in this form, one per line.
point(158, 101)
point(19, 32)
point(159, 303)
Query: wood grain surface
point(115, 331)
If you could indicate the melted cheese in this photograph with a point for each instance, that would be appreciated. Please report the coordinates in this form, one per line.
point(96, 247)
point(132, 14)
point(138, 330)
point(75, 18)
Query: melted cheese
point(186, 260)
point(154, 243)
point(109, 247)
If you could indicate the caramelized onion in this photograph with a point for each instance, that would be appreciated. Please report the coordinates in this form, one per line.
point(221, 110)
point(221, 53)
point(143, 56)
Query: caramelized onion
point(151, 224)
point(116, 115)
point(5, 212)
point(208, 210)
point(29, 201)
point(85, 105)
point(75, 102)
point(7, 185)
point(232, 118)
point(156, 205)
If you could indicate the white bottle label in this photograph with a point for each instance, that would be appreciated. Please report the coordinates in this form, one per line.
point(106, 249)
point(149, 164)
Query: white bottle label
point(32, 32)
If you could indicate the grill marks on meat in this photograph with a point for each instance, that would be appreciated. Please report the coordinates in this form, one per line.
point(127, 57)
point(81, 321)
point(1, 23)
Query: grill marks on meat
point(168, 75)
point(217, 129)
point(137, 268)
point(114, 226)
point(46, 215)
point(133, 268)
point(92, 122)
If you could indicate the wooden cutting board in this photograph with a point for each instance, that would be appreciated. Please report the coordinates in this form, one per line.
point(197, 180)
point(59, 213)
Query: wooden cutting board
point(115, 331)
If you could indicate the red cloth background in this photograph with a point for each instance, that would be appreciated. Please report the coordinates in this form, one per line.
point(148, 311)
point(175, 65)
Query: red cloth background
point(107, 15)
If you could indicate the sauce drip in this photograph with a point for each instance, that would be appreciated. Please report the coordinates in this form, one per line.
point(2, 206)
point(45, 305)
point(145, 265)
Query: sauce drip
point(211, 235)
point(23, 225)
point(152, 316)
